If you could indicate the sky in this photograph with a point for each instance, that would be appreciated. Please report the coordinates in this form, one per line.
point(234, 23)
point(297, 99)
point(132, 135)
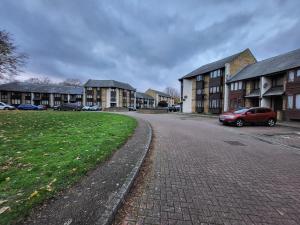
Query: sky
point(149, 44)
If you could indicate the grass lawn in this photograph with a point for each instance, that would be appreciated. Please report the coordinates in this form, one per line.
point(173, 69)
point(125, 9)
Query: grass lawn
point(43, 152)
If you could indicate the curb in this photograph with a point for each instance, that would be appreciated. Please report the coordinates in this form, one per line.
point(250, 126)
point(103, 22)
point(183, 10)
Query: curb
point(114, 204)
point(287, 125)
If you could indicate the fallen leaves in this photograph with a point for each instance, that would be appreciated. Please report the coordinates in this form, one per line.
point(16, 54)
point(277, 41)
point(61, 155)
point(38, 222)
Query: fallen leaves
point(4, 209)
point(33, 194)
point(2, 201)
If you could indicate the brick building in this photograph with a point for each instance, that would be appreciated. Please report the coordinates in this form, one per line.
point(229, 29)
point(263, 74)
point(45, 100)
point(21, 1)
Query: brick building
point(16, 93)
point(109, 93)
point(160, 96)
point(273, 83)
point(205, 89)
point(144, 101)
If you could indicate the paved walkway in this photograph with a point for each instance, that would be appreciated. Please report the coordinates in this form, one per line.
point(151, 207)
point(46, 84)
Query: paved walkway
point(200, 172)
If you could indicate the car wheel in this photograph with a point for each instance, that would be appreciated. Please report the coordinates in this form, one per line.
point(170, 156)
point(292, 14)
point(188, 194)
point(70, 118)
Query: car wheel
point(271, 122)
point(239, 123)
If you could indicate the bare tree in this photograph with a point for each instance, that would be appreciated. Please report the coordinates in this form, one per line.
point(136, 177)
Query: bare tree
point(10, 59)
point(174, 93)
point(71, 82)
point(37, 80)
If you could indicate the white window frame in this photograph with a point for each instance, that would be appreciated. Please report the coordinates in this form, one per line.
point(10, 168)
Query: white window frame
point(290, 101)
point(291, 76)
point(297, 101)
point(240, 85)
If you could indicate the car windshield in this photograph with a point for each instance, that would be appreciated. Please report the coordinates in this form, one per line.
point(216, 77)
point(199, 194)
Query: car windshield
point(240, 111)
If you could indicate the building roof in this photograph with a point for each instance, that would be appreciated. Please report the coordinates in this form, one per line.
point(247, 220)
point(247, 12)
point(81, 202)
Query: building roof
point(213, 66)
point(160, 93)
point(41, 88)
point(143, 95)
point(269, 66)
point(108, 84)
point(274, 91)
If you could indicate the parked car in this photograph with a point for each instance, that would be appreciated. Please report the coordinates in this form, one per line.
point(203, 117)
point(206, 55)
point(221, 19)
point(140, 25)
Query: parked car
point(4, 106)
point(95, 108)
point(174, 108)
point(253, 115)
point(91, 108)
point(86, 108)
point(131, 108)
point(68, 107)
point(42, 107)
point(28, 107)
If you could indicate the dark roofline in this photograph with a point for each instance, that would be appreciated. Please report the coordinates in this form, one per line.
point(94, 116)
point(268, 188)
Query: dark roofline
point(160, 93)
point(218, 64)
point(265, 61)
point(109, 84)
point(19, 86)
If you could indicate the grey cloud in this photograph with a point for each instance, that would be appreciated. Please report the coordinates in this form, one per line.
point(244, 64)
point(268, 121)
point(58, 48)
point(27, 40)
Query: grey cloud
point(141, 41)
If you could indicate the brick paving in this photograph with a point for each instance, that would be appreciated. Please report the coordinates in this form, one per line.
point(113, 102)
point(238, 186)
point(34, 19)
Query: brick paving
point(204, 173)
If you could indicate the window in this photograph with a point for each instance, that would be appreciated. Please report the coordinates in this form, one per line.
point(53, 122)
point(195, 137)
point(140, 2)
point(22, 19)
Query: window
point(290, 101)
point(199, 78)
point(291, 76)
point(15, 101)
point(89, 88)
point(298, 101)
point(240, 85)
point(298, 73)
point(256, 84)
point(232, 86)
point(235, 86)
point(261, 110)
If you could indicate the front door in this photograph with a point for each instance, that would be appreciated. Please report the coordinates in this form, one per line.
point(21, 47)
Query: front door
point(277, 103)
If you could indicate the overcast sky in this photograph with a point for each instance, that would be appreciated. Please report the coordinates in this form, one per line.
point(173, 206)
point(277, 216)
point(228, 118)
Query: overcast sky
point(145, 43)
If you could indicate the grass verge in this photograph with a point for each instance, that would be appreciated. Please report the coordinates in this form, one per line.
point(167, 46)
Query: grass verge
point(42, 153)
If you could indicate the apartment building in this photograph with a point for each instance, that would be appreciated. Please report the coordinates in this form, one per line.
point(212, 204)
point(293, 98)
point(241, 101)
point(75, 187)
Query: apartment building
point(16, 93)
point(273, 83)
point(205, 89)
point(109, 93)
point(160, 96)
point(144, 101)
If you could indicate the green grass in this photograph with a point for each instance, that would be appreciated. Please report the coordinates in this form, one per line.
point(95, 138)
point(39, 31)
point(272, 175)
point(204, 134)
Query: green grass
point(42, 153)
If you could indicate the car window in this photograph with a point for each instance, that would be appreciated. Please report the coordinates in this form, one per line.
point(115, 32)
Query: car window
point(252, 111)
point(261, 110)
point(1, 104)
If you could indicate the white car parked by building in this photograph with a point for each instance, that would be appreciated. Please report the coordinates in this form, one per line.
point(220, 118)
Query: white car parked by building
point(4, 106)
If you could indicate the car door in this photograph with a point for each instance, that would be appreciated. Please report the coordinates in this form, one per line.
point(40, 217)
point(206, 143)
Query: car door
point(261, 115)
point(250, 116)
point(1, 106)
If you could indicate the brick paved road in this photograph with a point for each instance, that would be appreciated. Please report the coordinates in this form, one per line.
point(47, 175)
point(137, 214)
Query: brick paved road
point(203, 173)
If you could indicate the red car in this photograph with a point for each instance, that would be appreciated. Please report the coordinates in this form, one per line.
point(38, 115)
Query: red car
point(249, 116)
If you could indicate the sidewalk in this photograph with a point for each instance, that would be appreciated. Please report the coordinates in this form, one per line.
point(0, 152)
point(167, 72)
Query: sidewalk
point(292, 124)
point(96, 198)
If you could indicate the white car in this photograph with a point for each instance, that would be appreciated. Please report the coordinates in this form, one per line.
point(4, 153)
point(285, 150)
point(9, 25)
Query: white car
point(4, 106)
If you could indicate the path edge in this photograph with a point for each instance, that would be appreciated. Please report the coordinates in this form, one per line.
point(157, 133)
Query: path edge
point(114, 204)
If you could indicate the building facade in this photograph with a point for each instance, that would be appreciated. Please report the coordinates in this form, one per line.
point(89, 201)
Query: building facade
point(108, 94)
point(159, 96)
point(272, 83)
point(205, 90)
point(144, 101)
point(16, 93)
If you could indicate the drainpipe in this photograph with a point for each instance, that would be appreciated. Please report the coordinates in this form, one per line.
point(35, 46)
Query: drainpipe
point(226, 87)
